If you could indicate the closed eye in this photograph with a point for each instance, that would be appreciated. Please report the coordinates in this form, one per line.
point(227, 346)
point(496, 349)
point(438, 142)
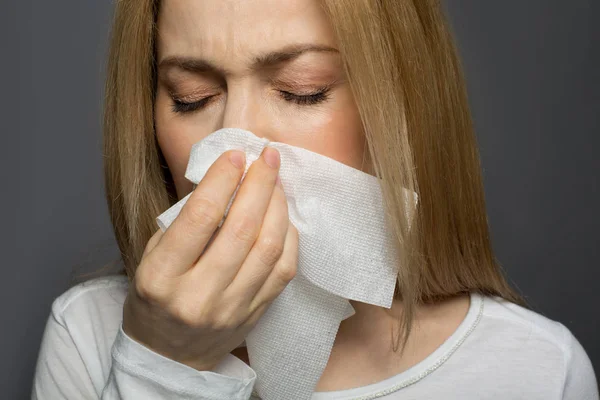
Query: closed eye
point(320, 96)
point(307, 99)
point(184, 107)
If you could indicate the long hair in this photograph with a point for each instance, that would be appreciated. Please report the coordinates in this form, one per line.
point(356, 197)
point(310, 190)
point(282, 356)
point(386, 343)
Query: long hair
point(406, 78)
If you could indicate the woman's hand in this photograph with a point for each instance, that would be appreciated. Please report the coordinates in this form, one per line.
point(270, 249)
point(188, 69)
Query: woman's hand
point(194, 299)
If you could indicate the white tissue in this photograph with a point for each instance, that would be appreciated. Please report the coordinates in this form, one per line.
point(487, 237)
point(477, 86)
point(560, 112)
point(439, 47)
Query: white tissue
point(345, 252)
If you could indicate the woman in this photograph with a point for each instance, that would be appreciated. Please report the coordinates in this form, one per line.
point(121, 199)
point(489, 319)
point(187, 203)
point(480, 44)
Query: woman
point(373, 84)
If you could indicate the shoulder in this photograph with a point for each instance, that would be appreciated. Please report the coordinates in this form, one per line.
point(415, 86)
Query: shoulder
point(91, 297)
point(75, 351)
point(499, 313)
point(92, 311)
point(514, 321)
point(531, 346)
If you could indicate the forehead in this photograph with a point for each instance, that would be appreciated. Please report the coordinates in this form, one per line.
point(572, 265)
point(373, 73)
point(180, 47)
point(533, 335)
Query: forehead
point(234, 29)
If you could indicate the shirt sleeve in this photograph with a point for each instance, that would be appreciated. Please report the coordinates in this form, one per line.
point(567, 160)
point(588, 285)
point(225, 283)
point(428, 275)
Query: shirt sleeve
point(135, 372)
point(580, 380)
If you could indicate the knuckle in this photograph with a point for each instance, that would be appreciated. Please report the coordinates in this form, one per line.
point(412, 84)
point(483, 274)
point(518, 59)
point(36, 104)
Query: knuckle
point(286, 271)
point(269, 249)
point(225, 321)
point(189, 313)
point(141, 288)
point(203, 211)
point(244, 229)
point(150, 287)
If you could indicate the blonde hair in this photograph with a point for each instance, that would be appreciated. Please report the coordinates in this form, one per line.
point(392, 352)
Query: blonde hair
point(406, 77)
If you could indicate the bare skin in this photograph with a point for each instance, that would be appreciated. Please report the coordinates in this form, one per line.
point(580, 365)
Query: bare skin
point(303, 100)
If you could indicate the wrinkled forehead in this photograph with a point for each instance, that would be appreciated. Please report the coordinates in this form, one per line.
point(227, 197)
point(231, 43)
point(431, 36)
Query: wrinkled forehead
point(234, 31)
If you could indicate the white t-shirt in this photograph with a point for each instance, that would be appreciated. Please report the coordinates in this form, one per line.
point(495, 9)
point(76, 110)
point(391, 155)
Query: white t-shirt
point(499, 351)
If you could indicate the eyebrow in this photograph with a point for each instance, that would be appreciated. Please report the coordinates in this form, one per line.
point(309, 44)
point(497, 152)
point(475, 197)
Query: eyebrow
point(287, 53)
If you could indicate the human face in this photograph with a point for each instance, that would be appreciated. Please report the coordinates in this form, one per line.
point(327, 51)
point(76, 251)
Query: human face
point(268, 66)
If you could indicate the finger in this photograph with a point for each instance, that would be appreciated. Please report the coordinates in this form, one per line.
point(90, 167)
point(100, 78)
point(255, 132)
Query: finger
point(265, 253)
point(152, 242)
point(253, 318)
point(185, 239)
point(243, 222)
point(283, 272)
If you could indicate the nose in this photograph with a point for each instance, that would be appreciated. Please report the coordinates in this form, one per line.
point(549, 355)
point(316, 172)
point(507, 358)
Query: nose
point(246, 108)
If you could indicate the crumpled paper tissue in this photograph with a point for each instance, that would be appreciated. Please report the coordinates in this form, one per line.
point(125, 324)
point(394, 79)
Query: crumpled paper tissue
point(345, 253)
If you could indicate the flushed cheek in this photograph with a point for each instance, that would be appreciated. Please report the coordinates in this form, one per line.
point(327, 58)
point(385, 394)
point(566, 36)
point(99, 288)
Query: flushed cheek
point(344, 139)
point(335, 133)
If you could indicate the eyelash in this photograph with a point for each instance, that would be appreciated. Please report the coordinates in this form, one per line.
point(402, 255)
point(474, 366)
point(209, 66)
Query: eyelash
point(303, 100)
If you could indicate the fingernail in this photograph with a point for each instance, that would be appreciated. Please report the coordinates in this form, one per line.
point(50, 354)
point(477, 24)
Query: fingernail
point(271, 157)
point(238, 158)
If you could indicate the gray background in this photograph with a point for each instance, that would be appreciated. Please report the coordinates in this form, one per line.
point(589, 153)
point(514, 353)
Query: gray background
point(533, 74)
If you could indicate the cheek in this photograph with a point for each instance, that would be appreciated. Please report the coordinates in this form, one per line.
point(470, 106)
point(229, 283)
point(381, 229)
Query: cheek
point(336, 132)
point(344, 138)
